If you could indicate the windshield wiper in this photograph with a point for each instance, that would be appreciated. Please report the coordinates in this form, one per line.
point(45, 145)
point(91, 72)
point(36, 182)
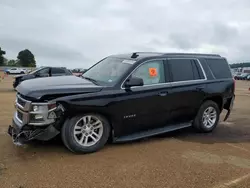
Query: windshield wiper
point(91, 79)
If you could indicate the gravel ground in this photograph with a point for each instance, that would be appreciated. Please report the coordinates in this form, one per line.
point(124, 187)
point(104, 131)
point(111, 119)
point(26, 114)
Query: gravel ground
point(179, 159)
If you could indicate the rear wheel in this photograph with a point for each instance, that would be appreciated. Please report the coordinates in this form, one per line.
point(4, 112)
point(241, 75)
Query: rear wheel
point(207, 117)
point(86, 133)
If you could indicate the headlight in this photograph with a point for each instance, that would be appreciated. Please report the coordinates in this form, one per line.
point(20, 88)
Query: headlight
point(35, 108)
point(52, 106)
point(39, 108)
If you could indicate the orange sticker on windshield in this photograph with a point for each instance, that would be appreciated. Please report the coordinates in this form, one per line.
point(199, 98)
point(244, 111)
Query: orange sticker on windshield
point(152, 72)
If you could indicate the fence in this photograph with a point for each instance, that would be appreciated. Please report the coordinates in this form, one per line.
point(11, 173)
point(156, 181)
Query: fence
point(4, 68)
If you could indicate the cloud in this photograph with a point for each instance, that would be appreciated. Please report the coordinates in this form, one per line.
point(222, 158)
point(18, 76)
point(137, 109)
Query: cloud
point(79, 33)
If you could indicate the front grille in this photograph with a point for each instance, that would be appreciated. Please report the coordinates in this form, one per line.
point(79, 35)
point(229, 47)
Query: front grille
point(20, 116)
point(21, 102)
point(22, 111)
point(24, 114)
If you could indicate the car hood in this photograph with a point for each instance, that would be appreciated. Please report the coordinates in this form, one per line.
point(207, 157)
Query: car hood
point(18, 76)
point(24, 76)
point(59, 85)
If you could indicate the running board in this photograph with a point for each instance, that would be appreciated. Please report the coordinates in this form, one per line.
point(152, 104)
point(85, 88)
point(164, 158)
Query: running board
point(161, 130)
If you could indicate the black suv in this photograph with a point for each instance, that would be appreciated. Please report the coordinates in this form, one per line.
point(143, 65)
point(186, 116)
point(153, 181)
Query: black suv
point(123, 98)
point(41, 72)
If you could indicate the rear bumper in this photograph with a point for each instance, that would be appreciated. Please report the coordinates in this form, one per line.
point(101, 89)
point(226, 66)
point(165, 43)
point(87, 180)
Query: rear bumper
point(229, 107)
point(23, 134)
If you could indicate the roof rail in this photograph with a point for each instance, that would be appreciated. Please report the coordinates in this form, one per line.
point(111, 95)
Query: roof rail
point(148, 52)
point(197, 54)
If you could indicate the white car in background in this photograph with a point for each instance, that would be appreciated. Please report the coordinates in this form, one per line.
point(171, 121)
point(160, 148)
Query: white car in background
point(16, 71)
point(248, 77)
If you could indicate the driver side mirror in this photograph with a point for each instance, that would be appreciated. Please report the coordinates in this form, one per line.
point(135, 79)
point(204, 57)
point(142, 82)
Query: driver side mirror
point(133, 81)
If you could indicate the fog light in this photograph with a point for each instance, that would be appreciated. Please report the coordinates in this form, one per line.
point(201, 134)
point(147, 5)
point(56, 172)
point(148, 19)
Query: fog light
point(52, 115)
point(35, 108)
point(38, 116)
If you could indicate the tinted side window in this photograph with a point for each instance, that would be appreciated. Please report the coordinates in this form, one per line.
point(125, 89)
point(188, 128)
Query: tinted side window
point(43, 71)
point(195, 71)
point(68, 72)
point(219, 68)
point(57, 71)
point(198, 74)
point(182, 69)
point(151, 72)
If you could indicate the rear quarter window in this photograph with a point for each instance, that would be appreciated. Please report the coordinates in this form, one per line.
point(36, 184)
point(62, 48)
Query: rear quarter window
point(219, 68)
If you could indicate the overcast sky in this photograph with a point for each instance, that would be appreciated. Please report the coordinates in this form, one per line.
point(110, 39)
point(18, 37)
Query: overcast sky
point(77, 33)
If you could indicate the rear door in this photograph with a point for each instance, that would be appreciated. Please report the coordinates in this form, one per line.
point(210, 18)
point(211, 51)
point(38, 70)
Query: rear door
point(187, 78)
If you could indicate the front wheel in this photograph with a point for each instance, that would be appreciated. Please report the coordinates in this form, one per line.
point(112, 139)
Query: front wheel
point(85, 133)
point(207, 117)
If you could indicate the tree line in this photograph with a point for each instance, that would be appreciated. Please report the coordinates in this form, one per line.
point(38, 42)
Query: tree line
point(240, 65)
point(25, 58)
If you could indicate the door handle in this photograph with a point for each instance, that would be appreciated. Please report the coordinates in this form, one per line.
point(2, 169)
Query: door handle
point(163, 93)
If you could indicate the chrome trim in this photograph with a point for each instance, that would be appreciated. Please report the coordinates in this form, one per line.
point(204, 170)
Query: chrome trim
point(40, 104)
point(26, 107)
point(27, 111)
point(42, 123)
point(25, 115)
point(167, 83)
point(16, 116)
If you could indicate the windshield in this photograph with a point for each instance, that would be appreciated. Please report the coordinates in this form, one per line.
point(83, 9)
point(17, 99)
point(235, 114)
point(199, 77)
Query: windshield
point(109, 70)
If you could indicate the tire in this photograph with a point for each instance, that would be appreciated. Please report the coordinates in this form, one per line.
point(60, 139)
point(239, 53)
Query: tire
point(22, 72)
point(72, 140)
point(198, 123)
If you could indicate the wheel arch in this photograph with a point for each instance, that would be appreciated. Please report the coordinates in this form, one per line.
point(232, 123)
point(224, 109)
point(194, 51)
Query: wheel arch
point(109, 118)
point(217, 99)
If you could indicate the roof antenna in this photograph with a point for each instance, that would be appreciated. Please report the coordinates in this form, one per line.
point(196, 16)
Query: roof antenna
point(134, 55)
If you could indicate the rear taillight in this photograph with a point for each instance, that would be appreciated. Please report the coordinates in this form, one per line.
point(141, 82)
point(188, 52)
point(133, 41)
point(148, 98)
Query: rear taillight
point(234, 83)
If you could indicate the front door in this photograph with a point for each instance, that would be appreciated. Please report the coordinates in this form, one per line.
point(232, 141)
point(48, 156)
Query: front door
point(145, 107)
point(187, 88)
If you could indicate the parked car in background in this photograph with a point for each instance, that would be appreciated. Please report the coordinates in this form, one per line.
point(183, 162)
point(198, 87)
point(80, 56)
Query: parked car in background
point(78, 72)
point(248, 77)
point(242, 76)
point(237, 76)
point(16, 71)
point(41, 72)
point(123, 98)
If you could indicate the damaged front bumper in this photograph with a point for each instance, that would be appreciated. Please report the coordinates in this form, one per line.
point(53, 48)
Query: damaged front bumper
point(35, 121)
point(24, 134)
